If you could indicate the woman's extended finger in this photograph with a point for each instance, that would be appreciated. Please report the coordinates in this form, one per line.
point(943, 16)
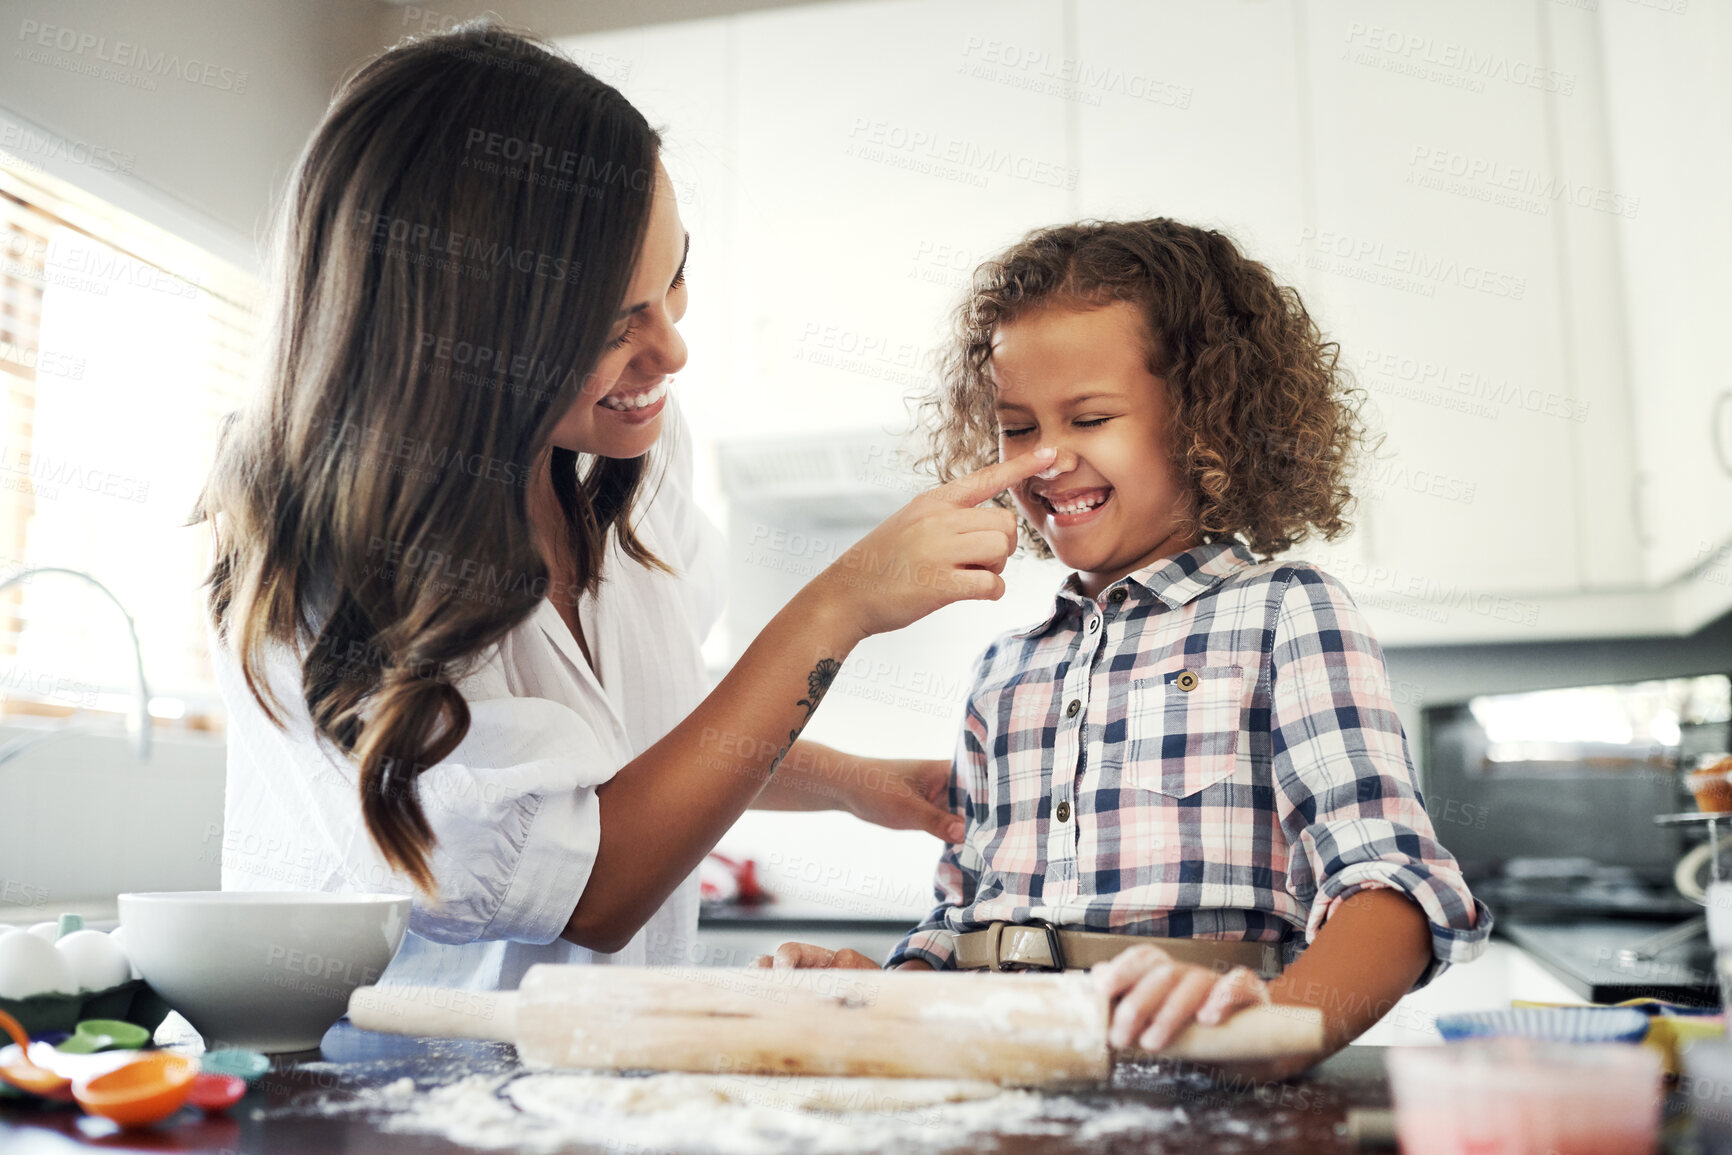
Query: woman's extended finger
point(1137, 1008)
point(994, 479)
point(1179, 1008)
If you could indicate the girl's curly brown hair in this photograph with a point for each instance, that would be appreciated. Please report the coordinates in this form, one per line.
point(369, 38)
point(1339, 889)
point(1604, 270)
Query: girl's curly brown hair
point(1265, 424)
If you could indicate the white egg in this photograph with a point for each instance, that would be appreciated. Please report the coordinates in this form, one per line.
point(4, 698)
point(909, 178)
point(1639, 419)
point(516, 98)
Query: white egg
point(29, 966)
point(96, 963)
point(118, 939)
point(46, 931)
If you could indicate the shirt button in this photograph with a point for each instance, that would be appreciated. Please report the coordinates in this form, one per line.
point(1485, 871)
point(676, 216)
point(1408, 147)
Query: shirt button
point(1186, 681)
point(1075, 705)
point(1063, 812)
point(1094, 624)
point(1117, 595)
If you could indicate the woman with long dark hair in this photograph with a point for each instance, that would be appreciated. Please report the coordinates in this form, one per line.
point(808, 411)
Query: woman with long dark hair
point(459, 582)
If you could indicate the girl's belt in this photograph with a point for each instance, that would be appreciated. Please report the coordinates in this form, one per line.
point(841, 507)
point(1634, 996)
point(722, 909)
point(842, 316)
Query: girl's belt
point(1039, 945)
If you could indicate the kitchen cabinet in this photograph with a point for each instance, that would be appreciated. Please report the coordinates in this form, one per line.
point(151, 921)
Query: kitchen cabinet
point(1505, 213)
point(1152, 119)
point(877, 166)
point(1668, 105)
point(1443, 291)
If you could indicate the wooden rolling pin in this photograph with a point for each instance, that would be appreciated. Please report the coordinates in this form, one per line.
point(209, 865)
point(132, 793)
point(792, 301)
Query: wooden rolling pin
point(1026, 1029)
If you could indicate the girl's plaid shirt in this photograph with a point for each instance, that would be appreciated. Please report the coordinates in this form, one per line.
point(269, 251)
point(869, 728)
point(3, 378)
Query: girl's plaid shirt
point(1208, 750)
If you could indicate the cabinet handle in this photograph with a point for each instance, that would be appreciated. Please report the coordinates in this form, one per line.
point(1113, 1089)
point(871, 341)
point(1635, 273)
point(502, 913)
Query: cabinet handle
point(1722, 430)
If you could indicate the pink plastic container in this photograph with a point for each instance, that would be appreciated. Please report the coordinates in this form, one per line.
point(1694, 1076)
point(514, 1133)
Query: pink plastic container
point(1520, 1097)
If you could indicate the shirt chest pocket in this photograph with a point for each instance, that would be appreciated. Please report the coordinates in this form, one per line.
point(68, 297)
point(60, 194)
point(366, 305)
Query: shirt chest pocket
point(1182, 729)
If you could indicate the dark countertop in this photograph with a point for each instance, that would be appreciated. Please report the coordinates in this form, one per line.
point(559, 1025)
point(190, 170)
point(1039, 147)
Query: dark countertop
point(1299, 1116)
point(1583, 953)
point(787, 912)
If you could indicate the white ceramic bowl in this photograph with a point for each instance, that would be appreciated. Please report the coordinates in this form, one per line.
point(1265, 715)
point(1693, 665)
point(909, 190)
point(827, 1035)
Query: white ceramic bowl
point(265, 970)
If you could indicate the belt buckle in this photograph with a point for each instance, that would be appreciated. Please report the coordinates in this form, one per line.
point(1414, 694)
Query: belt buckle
point(1054, 950)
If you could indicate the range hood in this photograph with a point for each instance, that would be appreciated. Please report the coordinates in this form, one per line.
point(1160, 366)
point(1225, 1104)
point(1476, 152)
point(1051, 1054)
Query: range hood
point(846, 478)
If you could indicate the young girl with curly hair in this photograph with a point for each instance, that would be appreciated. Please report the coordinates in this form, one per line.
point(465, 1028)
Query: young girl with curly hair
point(1190, 776)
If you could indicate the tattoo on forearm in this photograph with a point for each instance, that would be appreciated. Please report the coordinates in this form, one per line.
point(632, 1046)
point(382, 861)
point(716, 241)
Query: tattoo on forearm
point(817, 682)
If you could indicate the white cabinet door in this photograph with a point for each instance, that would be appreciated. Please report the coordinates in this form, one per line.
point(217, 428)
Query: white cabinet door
point(1669, 102)
point(883, 150)
point(1192, 111)
point(1197, 112)
point(1432, 257)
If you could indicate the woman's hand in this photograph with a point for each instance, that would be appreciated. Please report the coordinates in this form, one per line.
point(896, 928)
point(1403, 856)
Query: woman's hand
point(937, 549)
point(895, 793)
point(1154, 998)
point(805, 956)
point(907, 794)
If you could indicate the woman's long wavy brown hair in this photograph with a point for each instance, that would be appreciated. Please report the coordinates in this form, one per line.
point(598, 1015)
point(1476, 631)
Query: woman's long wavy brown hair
point(1265, 422)
point(452, 251)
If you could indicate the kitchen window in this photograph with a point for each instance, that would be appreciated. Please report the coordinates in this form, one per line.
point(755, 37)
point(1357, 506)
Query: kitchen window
point(121, 348)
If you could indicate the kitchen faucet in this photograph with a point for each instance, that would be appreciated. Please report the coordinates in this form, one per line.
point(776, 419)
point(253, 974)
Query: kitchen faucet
point(141, 745)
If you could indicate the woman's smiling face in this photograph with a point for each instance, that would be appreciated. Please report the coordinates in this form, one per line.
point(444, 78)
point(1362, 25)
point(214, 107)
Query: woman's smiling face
point(1076, 377)
point(618, 411)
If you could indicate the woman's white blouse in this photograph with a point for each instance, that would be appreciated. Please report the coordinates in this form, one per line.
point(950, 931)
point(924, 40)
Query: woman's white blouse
point(514, 807)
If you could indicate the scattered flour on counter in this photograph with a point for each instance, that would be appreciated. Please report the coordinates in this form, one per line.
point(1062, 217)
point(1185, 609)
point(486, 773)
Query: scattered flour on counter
point(735, 1114)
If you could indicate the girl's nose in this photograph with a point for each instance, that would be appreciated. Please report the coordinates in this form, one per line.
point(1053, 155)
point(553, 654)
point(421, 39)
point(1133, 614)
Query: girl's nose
point(1061, 465)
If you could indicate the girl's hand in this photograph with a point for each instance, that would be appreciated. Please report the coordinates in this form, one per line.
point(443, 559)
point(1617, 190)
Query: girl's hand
point(906, 794)
point(937, 549)
point(805, 956)
point(1156, 998)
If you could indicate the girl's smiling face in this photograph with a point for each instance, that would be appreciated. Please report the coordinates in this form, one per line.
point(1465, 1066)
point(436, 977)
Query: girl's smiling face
point(1076, 377)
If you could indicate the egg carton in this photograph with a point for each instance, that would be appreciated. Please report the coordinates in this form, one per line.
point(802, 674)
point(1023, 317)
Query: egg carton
point(132, 1002)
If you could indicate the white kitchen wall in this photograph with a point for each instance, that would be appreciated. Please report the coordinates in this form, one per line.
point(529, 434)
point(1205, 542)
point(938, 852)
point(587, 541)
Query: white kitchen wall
point(84, 820)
